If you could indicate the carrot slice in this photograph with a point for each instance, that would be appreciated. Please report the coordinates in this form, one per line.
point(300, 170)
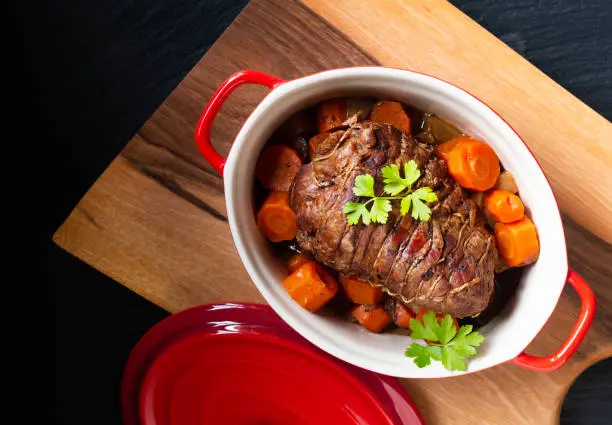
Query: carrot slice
point(297, 261)
point(277, 166)
point(517, 242)
point(504, 206)
point(473, 164)
point(421, 313)
point(446, 147)
point(374, 319)
point(331, 114)
point(361, 292)
point(275, 219)
point(403, 315)
point(388, 112)
point(311, 286)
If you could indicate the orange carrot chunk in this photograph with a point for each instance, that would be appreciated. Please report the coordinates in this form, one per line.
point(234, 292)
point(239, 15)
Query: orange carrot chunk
point(504, 206)
point(275, 219)
point(473, 164)
point(297, 261)
point(446, 147)
point(403, 315)
point(311, 286)
point(331, 114)
point(517, 242)
point(387, 112)
point(421, 313)
point(374, 319)
point(361, 292)
point(277, 166)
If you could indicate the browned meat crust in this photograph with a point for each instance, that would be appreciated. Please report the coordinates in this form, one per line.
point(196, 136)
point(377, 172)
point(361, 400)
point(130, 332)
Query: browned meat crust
point(445, 264)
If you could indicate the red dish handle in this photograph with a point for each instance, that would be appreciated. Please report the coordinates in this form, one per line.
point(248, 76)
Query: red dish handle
point(202, 132)
point(587, 311)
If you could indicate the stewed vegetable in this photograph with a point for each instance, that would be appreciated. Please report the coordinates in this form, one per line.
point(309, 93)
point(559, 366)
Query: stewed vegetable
point(504, 206)
point(277, 166)
point(298, 260)
point(361, 292)
point(518, 242)
point(403, 212)
point(275, 219)
point(373, 318)
point(472, 163)
point(506, 182)
point(311, 286)
point(402, 315)
point(331, 114)
point(387, 112)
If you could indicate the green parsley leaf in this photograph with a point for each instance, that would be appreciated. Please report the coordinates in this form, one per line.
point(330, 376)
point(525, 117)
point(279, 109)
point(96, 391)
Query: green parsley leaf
point(464, 330)
point(411, 172)
point(445, 343)
point(380, 210)
point(419, 331)
point(420, 353)
point(466, 340)
point(394, 183)
point(364, 185)
point(423, 354)
point(420, 211)
point(446, 330)
point(435, 351)
point(398, 188)
point(405, 205)
point(463, 348)
point(430, 321)
point(452, 360)
point(425, 194)
point(474, 339)
point(354, 211)
point(417, 328)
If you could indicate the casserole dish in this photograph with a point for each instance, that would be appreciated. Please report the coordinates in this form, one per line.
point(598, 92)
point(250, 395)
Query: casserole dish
point(509, 333)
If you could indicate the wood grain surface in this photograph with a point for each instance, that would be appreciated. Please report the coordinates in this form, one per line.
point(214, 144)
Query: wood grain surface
point(156, 221)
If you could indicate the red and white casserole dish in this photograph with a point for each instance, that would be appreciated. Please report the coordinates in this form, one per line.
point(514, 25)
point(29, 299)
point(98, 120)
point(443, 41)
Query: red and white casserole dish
point(541, 285)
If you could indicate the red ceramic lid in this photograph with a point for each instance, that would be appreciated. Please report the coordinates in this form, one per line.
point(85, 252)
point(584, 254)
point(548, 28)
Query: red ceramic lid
point(241, 364)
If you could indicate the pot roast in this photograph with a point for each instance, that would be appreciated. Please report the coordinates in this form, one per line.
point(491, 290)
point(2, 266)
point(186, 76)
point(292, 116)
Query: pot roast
point(445, 264)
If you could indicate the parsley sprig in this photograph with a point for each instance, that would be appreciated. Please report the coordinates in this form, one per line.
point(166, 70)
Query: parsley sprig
point(445, 344)
point(397, 187)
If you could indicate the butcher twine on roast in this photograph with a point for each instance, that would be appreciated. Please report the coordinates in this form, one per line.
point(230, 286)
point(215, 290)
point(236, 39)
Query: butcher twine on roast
point(445, 264)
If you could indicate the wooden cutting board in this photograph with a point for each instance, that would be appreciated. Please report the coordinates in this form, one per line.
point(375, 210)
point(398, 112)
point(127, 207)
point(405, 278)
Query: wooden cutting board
point(156, 221)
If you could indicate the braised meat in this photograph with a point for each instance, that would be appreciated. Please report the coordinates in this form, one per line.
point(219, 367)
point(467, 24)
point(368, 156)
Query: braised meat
point(445, 264)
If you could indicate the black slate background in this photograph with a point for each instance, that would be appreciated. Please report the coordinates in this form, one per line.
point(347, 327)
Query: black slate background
point(98, 70)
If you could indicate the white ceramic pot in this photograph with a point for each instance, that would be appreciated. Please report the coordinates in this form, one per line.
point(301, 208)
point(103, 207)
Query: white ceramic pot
point(541, 285)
